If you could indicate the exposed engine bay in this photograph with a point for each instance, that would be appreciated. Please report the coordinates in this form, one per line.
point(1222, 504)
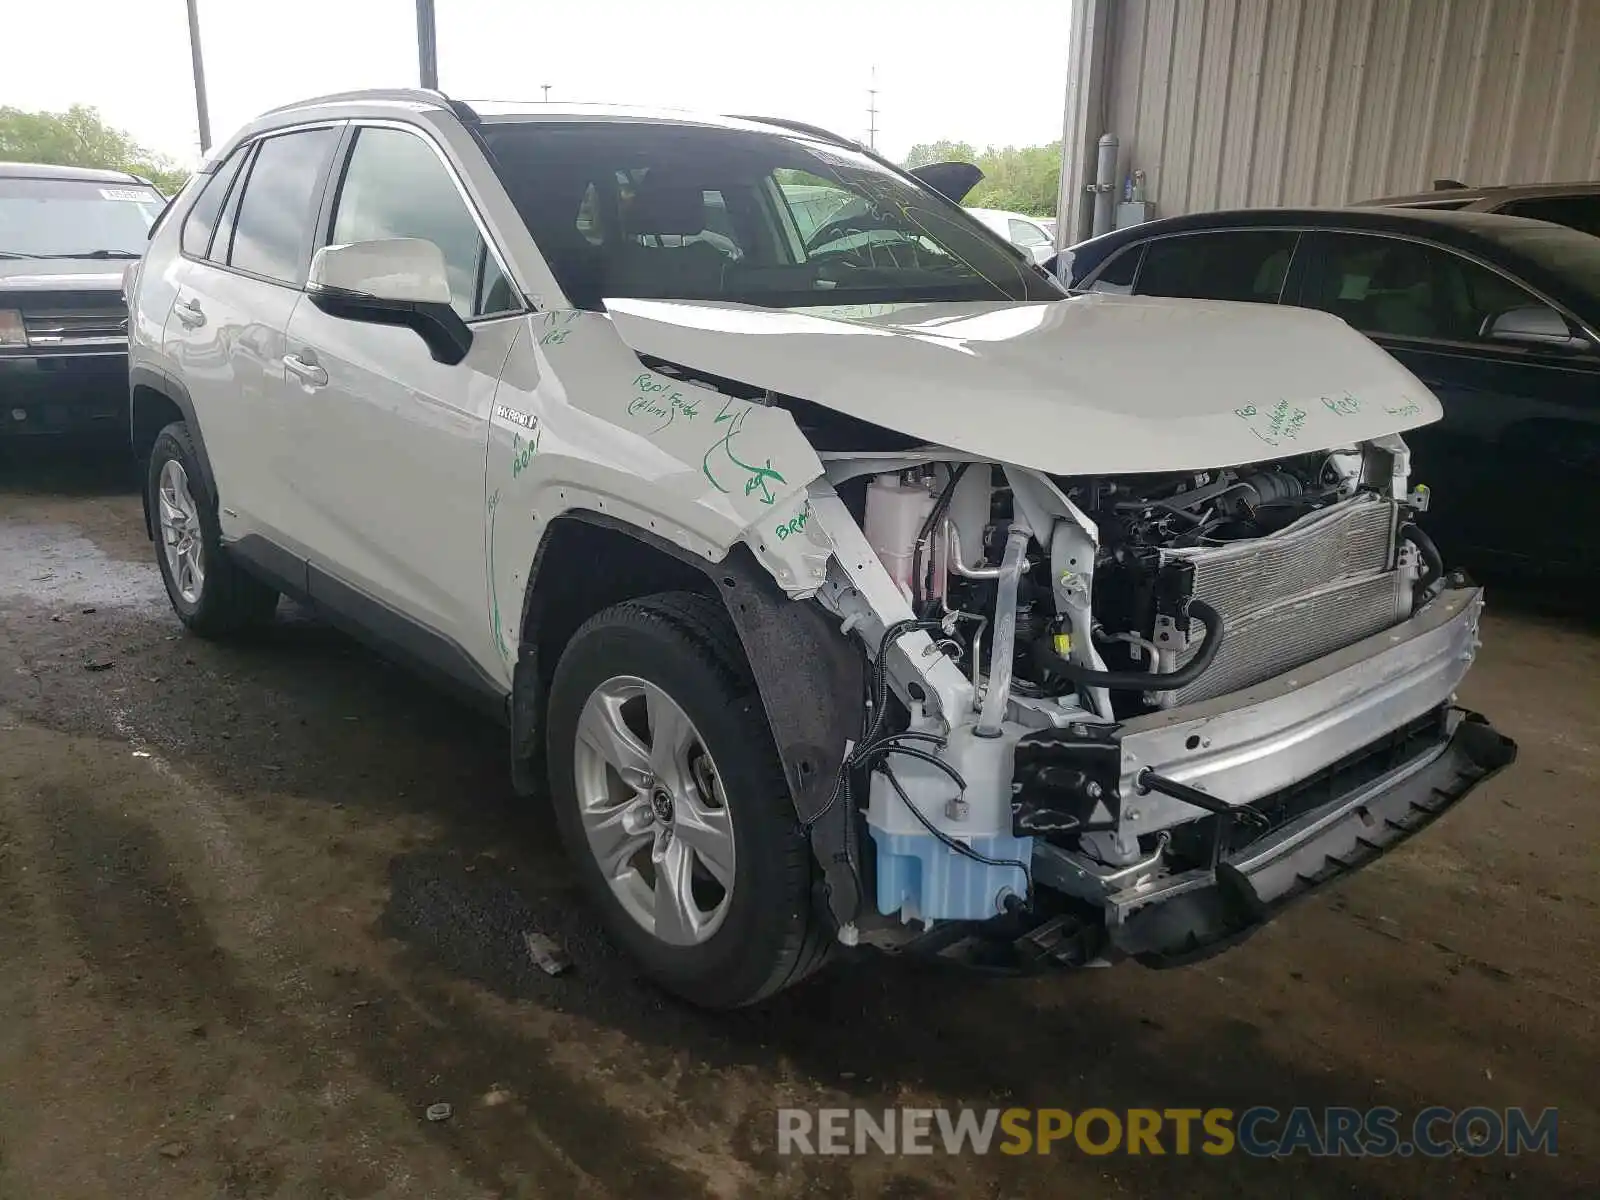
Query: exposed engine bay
point(1048, 626)
point(1181, 560)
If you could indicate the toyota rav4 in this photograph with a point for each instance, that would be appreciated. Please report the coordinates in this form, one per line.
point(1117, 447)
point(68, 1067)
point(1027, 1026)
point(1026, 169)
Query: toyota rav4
point(839, 579)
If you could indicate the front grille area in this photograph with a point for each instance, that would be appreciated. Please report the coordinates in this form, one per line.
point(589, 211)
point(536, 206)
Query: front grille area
point(1341, 542)
point(106, 326)
point(1316, 586)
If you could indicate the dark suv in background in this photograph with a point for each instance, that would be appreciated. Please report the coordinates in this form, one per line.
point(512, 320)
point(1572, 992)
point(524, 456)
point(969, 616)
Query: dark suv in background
point(64, 233)
point(1498, 315)
point(1575, 205)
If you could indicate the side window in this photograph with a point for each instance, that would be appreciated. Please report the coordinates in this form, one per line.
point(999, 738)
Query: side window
point(1575, 212)
point(1400, 288)
point(588, 220)
point(1242, 264)
point(1026, 233)
point(395, 186)
point(813, 201)
point(272, 234)
point(1119, 273)
point(201, 222)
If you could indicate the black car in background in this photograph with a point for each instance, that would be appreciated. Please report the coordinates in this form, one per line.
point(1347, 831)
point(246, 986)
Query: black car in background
point(1499, 316)
point(1575, 205)
point(66, 235)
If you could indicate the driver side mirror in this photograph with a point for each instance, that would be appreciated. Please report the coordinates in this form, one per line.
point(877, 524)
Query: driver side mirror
point(396, 281)
point(1534, 325)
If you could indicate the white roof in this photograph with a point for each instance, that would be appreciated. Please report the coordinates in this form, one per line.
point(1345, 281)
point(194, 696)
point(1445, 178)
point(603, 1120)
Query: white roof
point(538, 110)
point(366, 102)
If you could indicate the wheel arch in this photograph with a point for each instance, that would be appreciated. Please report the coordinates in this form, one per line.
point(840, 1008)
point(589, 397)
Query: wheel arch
point(810, 675)
point(156, 400)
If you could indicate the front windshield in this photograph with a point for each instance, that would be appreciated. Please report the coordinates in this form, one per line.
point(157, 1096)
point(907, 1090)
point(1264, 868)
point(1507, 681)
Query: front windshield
point(662, 211)
point(70, 218)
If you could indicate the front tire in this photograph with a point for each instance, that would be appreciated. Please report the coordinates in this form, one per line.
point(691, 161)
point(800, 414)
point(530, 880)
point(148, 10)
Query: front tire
point(672, 802)
point(210, 593)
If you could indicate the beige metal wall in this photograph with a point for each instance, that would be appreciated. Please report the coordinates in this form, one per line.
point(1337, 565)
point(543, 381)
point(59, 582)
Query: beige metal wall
point(1228, 103)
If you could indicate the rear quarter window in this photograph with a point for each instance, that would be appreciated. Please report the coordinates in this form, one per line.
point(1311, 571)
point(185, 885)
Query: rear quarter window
point(1575, 212)
point(201, 223)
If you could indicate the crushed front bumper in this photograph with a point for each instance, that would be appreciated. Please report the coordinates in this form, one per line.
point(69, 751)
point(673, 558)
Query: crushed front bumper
point(1184, 917)
point(1339, 760)
point(1259, 740)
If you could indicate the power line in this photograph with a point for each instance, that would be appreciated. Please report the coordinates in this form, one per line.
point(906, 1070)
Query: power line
point(872, 111)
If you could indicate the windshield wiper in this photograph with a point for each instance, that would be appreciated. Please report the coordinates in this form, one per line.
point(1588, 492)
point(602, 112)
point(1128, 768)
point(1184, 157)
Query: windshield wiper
point(94, 254)
point(13, 254)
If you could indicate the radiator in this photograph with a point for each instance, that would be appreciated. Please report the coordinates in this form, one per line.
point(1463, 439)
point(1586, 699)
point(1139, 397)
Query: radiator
point(1321, 583)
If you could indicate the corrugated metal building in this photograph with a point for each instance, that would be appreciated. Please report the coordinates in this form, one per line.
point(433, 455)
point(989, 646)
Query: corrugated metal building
point(1230, 103)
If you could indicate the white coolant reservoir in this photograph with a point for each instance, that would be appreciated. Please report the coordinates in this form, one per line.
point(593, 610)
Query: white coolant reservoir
point(896, 511)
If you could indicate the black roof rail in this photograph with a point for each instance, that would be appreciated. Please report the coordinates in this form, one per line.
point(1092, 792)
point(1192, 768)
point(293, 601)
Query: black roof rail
point(815, 131)
point(821, 134)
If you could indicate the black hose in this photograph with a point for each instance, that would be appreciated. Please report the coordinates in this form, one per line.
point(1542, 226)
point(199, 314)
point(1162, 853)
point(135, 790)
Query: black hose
point(1148, 781)
point(1141, 681)
point(879, 751)
point(874, 713)
point(1432, 560)
point(919, 587)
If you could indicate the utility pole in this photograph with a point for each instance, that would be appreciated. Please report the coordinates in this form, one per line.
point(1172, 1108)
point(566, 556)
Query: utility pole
point(201, 112)
point(427, 45)
point(546, 88)
point(872, 111)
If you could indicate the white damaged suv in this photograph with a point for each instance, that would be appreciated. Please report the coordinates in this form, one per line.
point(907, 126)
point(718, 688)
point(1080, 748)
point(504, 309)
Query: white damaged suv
point(839, 578)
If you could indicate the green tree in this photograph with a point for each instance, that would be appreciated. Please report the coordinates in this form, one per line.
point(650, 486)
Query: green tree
point(1020, 178)
point(80, 138)
point(924, 153)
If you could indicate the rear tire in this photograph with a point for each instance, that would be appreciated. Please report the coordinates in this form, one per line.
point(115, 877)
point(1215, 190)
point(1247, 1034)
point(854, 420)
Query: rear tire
point(211, 593)
point(641, 678)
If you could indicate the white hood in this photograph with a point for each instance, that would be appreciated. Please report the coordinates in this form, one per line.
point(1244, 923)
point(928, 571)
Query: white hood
point(1092, 385)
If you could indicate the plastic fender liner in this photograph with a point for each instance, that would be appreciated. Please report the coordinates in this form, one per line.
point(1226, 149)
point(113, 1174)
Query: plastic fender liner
point(812, 680)
point(810, 676)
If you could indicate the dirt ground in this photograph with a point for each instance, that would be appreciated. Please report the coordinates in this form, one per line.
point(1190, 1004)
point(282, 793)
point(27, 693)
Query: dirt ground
point(260, 906)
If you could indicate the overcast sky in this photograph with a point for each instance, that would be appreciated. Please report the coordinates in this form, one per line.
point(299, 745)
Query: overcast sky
point(982, 73)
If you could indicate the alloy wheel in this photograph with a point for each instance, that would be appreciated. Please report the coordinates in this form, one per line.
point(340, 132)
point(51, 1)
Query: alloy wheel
point(653, 808)
point(181, 538)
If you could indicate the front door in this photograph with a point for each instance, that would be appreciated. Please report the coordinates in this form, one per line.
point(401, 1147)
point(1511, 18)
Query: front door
point(390, 443)
point(1512, 464)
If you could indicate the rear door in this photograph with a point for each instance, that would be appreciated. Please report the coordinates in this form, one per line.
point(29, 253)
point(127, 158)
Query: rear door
point(246, 249)
point(1512, 464)
point(388, 443)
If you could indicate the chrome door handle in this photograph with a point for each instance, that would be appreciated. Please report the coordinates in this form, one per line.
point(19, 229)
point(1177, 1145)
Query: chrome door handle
point(190, 313)
point(308, 373)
